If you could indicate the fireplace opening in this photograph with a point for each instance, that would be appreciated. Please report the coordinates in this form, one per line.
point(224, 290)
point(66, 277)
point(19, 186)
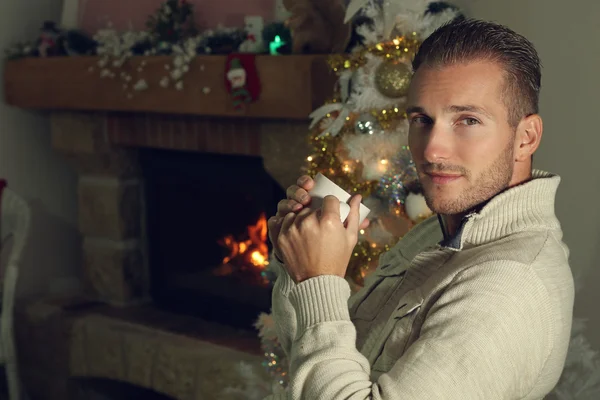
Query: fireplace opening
point(206, 224)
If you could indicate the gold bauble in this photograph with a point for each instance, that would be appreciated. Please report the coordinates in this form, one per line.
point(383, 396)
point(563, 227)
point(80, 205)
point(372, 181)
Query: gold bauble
point(392, 78)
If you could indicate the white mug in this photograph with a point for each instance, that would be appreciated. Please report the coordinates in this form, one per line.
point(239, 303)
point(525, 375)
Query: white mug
point(325, 187)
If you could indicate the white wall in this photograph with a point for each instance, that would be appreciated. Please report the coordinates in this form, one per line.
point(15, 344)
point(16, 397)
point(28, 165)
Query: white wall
point(567, 36)
point(33, 169)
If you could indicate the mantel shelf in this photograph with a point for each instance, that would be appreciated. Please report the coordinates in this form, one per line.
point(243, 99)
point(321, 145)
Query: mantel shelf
point(292, 86)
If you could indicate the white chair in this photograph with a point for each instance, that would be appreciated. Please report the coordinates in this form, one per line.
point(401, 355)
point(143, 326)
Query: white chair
point(15, 217)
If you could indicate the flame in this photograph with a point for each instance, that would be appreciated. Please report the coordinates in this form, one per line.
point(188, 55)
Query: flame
point(248, 253)
point(257, 258)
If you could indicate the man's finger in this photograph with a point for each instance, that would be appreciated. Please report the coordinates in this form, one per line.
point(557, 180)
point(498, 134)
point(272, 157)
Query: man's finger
point(286, 206)
point(354, 215)
point(287, 222)
point(330, 208)
point(273, 221)
point(365, 224)
point(301, 216)
point(305, 182)
point(273, 227)
point(298, 194)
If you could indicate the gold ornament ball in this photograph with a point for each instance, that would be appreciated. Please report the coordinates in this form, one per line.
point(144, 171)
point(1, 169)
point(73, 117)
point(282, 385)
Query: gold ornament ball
point(392, 79)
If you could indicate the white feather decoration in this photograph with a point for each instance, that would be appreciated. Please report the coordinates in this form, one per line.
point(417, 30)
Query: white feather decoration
point(266, 326)
point(377, 206)
point(416, 207)
point(371, 33)
point(392, 9)
point(379, 235)
point(429, 23)
point(370, 150)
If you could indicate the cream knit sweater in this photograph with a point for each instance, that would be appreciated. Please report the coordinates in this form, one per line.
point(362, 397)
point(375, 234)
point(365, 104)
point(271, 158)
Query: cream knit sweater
point(485, 315)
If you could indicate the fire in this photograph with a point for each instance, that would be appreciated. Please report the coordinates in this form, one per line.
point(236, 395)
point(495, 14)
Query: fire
point(258, 259)
point(246, 254)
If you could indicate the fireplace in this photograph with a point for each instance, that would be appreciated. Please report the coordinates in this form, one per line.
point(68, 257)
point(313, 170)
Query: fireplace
point(113, 333)
point(143, 180)
point(206, 230)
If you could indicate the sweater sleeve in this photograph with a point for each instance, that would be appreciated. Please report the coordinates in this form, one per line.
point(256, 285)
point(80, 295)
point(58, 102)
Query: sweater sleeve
point(486, 337)
point(283, 313)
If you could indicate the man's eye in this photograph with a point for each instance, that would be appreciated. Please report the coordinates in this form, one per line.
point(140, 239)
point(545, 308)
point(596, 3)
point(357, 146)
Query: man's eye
point(420, 120)
point(469, 121)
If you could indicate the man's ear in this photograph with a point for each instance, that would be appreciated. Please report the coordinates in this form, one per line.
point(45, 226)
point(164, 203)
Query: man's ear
point(528, 137)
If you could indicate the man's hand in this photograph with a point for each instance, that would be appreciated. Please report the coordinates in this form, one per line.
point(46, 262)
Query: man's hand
point(316, 242)
point(297, 199)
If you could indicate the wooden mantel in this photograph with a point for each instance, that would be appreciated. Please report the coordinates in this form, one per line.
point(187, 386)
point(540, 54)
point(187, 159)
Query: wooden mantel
point(292, 86)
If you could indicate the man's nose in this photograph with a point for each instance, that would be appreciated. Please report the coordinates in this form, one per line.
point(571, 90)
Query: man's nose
point(438, 144)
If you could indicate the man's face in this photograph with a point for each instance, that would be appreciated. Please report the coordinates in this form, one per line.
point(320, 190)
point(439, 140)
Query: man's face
point(459, 136)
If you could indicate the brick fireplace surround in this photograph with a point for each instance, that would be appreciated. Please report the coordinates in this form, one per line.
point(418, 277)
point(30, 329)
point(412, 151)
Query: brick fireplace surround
point(115, 333)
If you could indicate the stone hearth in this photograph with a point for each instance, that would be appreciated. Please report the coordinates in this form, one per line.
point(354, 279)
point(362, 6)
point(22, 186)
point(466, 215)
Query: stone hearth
point(62, 341)
point(114, 332)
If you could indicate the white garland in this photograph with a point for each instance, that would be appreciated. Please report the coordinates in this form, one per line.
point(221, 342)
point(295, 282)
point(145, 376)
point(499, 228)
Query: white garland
point(115, 50)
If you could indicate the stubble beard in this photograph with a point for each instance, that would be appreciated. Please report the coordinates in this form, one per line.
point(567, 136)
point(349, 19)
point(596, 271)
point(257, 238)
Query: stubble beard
point(495, 179)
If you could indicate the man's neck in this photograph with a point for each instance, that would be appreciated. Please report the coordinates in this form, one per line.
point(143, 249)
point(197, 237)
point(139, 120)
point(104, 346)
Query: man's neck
point(451, 223)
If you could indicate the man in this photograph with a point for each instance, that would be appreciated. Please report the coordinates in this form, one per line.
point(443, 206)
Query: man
point(475, 303)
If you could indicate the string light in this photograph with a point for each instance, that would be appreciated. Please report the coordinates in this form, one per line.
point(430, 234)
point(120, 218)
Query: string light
point(274, 361)
point(364, 259)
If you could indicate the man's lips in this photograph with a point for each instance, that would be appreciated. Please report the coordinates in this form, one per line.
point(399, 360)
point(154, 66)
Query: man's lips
point(441, 178)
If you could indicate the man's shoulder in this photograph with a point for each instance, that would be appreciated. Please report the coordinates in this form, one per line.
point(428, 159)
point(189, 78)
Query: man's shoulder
point(523, 248)
point(541, 252)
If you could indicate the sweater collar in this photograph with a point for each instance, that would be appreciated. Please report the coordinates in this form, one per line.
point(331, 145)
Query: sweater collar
point(525, 207)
